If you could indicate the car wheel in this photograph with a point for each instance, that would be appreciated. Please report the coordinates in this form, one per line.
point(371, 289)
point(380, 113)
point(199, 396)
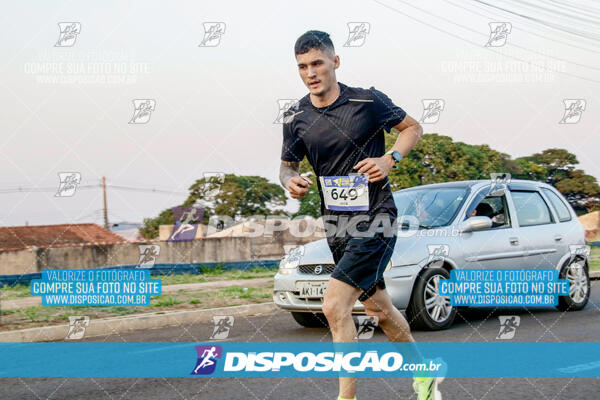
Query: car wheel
point(579, 286)
point(427, 309)
point(310, 320)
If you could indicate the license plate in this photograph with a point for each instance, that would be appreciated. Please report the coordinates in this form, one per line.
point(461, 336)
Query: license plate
point(311, 289)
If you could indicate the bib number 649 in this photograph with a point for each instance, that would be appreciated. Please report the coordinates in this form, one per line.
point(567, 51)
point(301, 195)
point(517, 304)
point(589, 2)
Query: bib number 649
point(346, 194)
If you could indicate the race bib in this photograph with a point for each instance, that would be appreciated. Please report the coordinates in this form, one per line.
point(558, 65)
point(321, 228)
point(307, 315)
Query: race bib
point(345, 193)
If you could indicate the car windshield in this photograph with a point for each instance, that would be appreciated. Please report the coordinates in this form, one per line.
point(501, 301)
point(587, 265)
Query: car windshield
point(431, 207)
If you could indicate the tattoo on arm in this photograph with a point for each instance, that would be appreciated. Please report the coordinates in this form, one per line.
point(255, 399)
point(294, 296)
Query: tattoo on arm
point(287, 171)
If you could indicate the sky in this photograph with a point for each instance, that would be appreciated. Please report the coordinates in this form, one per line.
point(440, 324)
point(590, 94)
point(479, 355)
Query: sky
point(68, 107)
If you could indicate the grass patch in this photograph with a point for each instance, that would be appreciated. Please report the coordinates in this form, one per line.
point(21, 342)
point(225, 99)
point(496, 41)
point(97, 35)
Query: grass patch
point(252, 273)
point(209, 274)
point(36, 314)
point(595, 264)
point(120, 310)
point(14, 292)
point(176, 279)
point(165, 301)
point(202, 298)
point(217, 270)
point(237, 292)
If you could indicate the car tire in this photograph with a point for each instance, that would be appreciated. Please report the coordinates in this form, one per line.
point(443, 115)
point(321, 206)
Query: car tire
point(578, 300)
point(310, 320)
point(419, 315)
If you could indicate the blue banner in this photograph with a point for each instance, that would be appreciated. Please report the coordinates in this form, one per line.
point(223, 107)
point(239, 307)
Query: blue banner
point(504, 287)
point(300, 359)
point(96, 287)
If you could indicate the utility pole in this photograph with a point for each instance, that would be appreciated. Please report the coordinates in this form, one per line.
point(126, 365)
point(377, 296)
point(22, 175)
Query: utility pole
point(104, 196)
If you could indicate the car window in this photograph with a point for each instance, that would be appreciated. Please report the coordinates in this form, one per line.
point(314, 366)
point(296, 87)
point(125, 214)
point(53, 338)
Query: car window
point(531, 208)
point(493, 207)
point(432, 207)
point(559, 206)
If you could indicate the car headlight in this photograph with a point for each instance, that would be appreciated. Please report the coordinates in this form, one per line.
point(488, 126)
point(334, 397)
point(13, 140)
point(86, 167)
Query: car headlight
point(286, 268)
point(290, 262)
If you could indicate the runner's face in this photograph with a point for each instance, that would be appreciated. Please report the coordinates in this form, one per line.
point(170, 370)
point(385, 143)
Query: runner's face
point(317, 70)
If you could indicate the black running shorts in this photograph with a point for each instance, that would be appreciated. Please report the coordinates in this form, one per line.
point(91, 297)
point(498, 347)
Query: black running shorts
point(361, 261)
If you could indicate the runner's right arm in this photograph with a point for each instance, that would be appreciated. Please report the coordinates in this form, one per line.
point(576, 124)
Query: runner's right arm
point(291, 179)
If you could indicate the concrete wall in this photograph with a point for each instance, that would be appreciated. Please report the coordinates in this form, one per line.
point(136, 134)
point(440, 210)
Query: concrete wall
point(197, 251)
point(591, 224)
point(18, 262)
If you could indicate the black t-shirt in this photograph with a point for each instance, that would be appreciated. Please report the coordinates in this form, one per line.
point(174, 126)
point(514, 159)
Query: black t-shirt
point(337, 137)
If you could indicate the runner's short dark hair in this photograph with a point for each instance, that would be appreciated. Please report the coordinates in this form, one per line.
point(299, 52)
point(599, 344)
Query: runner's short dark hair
point(314, 40)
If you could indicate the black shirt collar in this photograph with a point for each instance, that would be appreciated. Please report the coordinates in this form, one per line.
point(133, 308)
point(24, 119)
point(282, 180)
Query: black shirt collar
point(343, 96)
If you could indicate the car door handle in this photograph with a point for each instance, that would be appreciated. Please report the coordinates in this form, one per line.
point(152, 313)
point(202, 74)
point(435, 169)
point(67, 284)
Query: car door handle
point(514, 241)
point(559, 238)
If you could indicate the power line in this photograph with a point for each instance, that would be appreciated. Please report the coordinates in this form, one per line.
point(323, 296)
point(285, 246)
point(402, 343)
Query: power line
point(22, 189)
point(487, 48)
point(54, 189)
point(546, 23)
point(524, 30)
point(512, 44)
point(146, 190)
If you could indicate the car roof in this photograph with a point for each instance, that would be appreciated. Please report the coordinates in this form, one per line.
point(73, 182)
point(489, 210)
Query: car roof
point(475, 184)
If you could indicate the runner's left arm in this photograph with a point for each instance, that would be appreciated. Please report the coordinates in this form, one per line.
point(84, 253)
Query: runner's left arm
point(410, 133)
point(379, 167)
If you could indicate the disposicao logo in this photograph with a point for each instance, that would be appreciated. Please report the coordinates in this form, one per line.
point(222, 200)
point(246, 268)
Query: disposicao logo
point(207, 359)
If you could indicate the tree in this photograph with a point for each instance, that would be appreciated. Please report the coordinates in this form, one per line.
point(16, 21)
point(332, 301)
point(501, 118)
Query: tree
point(236, 197)
point(436, 158)
point(557, 167)
point(311, 203)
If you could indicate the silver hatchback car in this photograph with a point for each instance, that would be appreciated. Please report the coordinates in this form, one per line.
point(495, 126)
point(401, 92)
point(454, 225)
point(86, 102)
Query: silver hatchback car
point(445, 226)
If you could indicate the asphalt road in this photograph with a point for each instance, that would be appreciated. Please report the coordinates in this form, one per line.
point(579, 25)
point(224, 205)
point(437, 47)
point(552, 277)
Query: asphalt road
point(543, 325)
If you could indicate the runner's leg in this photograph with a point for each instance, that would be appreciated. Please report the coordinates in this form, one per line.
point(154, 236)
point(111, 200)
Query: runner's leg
point(391, 320)
point(337, 307)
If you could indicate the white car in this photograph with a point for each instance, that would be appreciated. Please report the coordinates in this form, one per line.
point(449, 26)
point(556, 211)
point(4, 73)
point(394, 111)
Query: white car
point(465, 224)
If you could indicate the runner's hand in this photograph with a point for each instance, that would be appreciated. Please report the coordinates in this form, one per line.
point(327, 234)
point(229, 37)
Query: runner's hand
point(377, 167)
point(298, 186)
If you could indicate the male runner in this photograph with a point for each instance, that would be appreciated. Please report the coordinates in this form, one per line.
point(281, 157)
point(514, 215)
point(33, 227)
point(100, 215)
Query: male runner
point(340, 130)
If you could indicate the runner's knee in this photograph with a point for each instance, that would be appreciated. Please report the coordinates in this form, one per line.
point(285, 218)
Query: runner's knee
point(335, 310)
point(381, 314)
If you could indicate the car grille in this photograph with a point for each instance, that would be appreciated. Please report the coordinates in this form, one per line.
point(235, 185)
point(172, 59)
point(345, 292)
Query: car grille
point(313, 269)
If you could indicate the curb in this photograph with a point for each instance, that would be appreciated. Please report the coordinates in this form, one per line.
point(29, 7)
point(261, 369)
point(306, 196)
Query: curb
point(108, 326)
point(595, 275)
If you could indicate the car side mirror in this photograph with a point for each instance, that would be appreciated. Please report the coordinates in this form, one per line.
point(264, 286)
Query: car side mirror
point(475, 224)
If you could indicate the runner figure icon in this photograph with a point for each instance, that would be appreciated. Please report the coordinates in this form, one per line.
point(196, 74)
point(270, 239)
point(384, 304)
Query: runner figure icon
point(208, 356)
point(508, 326)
